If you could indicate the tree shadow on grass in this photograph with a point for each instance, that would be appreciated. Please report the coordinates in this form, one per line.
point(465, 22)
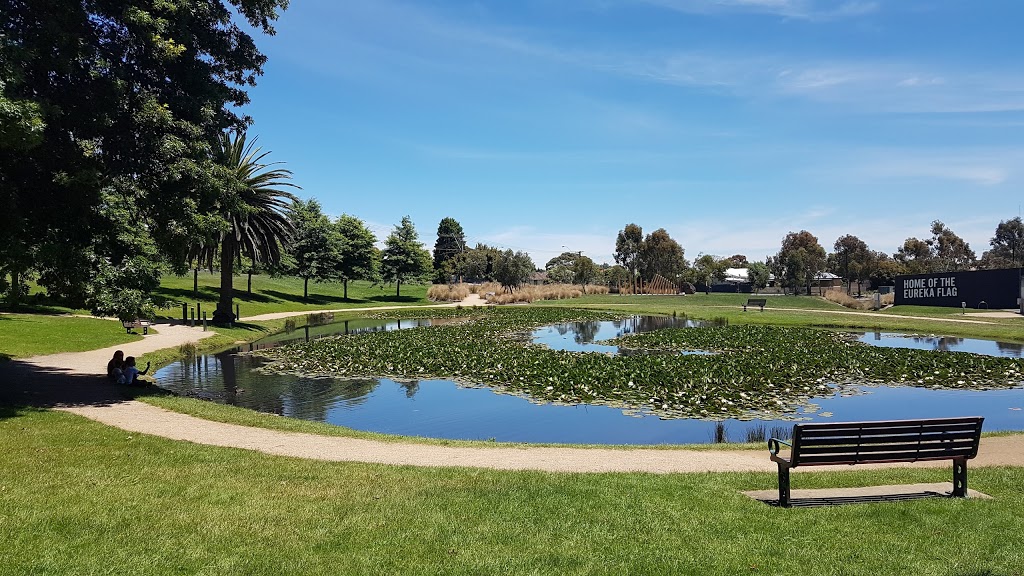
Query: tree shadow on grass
point(395, 299)
point(313, 298)
point(25, 386)
point(210, 295)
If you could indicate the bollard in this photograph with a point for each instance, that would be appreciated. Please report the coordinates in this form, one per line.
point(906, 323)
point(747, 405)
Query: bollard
point(204, 321)
point(193, 324)
point(237, 315)
point(199, 310)
point(184, 313)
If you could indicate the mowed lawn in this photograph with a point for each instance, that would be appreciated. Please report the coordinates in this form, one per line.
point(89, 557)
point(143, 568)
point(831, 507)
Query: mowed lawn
point(23, 335)
point(77, 497)
point(283, 294)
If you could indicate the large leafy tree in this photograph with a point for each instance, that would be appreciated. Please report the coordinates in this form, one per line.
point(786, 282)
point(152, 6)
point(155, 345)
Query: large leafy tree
point(512, 269)
point(628, 244)
point(404, 259)
point(1007, 245)
point(254, 206)
point(916, 256)
point(758, 275)
point(852, 256)
point(450, 243)
point(119, 100)
point(801, 258)
point(360, 259)
point(314, 246)
point(951, 251)
point(562, 268)
point(661, 255)
point(477, 264)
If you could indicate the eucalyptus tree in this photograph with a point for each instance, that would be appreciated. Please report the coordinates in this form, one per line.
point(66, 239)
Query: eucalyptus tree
point(512, 269)
point(661, 255)
point(758, 275)
point(254, 206)
point(404, 259)
point(1007, 245)
point(852, 256)
point(628, 244)
point(359, 256)
point(801, 258)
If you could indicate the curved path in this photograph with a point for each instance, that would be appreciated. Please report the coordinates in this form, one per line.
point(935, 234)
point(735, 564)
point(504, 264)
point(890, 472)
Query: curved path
point(73, 382)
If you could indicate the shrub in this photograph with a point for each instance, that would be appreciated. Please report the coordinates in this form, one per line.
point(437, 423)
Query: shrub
point(448, 292)
point(842, 298)
point(532, 293)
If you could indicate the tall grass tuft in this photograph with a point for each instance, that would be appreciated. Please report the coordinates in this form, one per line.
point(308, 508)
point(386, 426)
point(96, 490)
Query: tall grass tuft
point(448, 292)
point(888, 299)
point(289, 325)
point(843, 299)
point(757, 433)
point(319, 318)
point(188, 350)
point(494, 293)
point(781, 432)
point(720, 435)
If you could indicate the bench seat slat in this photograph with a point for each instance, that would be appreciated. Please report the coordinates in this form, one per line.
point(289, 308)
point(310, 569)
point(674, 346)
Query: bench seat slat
point(808, 426)
point(966, 445)
point(915, 437)
point(867, 432)
point(880, 458)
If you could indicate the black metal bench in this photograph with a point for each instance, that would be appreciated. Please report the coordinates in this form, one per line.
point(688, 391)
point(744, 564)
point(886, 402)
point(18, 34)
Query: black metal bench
point(132, 324)
point(820, 444)
point(755, 302)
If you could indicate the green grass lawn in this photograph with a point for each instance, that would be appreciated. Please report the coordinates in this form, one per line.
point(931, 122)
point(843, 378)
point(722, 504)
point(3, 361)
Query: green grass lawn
point(283, 294)
point(78, 497)
point(23, 335)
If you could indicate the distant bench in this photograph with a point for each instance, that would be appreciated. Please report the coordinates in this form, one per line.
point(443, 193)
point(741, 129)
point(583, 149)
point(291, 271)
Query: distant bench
point(817, 444)
point(131, 324)
point(755, 302)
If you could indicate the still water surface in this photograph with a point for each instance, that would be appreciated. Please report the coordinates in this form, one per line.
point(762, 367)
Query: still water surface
point(443, 409)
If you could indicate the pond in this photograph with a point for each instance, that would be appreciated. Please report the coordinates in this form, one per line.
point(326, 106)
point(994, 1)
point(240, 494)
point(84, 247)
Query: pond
point(445, 409)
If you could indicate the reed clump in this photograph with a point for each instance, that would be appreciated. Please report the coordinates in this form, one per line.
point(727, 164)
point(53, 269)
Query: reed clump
point(844, 299)
point(188, 350)
point(449, 292)
point(494, 294)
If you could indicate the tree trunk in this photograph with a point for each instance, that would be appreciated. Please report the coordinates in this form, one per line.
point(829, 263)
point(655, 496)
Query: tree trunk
point(195, 282)
point(398, 288)
point(248, 288)
point(345, 284)
point(224, 315)
point(14, 298)
point(305, 288)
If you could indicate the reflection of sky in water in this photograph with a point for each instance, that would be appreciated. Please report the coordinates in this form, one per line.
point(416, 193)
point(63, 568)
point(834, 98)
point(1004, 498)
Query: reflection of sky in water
point(442, 409)
point(581, 336)
point(943, 343)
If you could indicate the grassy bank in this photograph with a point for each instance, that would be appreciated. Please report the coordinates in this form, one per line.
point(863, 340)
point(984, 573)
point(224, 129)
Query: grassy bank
point(79, 497)
point(283, 294)
point(810, 311)
point(24, 335)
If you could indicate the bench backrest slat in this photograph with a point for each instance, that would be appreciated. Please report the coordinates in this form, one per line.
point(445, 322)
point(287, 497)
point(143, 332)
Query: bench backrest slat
point(886, 441)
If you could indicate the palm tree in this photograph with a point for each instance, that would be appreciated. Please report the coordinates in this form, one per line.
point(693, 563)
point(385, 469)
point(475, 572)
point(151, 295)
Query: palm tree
point(255, 209)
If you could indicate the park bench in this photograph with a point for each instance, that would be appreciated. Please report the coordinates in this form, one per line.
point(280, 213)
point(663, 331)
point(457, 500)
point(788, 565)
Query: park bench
point(755, 302)
point(129, 325)
point(820, 444)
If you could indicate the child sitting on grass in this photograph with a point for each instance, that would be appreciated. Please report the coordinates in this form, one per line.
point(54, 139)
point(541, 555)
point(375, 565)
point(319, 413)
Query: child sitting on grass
point(131, 373)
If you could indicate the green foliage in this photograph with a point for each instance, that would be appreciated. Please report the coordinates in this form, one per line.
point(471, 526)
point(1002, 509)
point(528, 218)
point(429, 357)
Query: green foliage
point(757, 275)
point(661, 255)
point(561, 268)
point(799, 260)
point(584, 271)
point(512, 269)
point(359, 257)
point(315, 244)
point(451, 242)
point(477, 264)
point(1007, 245)
point(628, 244)
point(756, 371)
point(404, 259)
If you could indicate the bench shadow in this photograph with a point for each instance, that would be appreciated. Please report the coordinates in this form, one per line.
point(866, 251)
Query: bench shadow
point(820, 502)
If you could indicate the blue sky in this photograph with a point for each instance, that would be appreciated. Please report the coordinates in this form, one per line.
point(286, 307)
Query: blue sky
point(540, 124)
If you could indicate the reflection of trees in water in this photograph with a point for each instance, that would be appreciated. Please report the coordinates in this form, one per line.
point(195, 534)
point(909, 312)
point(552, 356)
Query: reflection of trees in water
point(1010, 348)
point(311, 398)
point(585, 331)
point(562, 329)
point(411, 387)
point(942, 344)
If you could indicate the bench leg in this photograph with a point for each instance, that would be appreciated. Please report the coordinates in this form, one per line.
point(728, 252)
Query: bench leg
point(744, 307)
point(784, 486)
point(960, 478)
point(145, 329)
point(762, 308)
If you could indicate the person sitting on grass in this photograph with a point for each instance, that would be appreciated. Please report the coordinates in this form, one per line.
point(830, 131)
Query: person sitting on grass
point(115, 368)
point(131, 373)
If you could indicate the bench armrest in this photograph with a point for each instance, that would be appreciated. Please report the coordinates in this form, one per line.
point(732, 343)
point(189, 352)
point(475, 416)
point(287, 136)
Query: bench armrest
point(774, 445)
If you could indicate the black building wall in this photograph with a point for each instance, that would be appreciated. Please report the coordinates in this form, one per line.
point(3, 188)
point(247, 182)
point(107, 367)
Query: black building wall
point(997, 288)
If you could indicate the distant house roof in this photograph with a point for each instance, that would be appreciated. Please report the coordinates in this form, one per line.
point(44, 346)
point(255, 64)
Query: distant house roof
point(825, 276)
point(539, 277)
point(736, 275)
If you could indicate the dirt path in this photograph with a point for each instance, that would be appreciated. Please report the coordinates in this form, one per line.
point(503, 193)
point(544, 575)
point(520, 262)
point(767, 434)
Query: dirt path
point(73, 382)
